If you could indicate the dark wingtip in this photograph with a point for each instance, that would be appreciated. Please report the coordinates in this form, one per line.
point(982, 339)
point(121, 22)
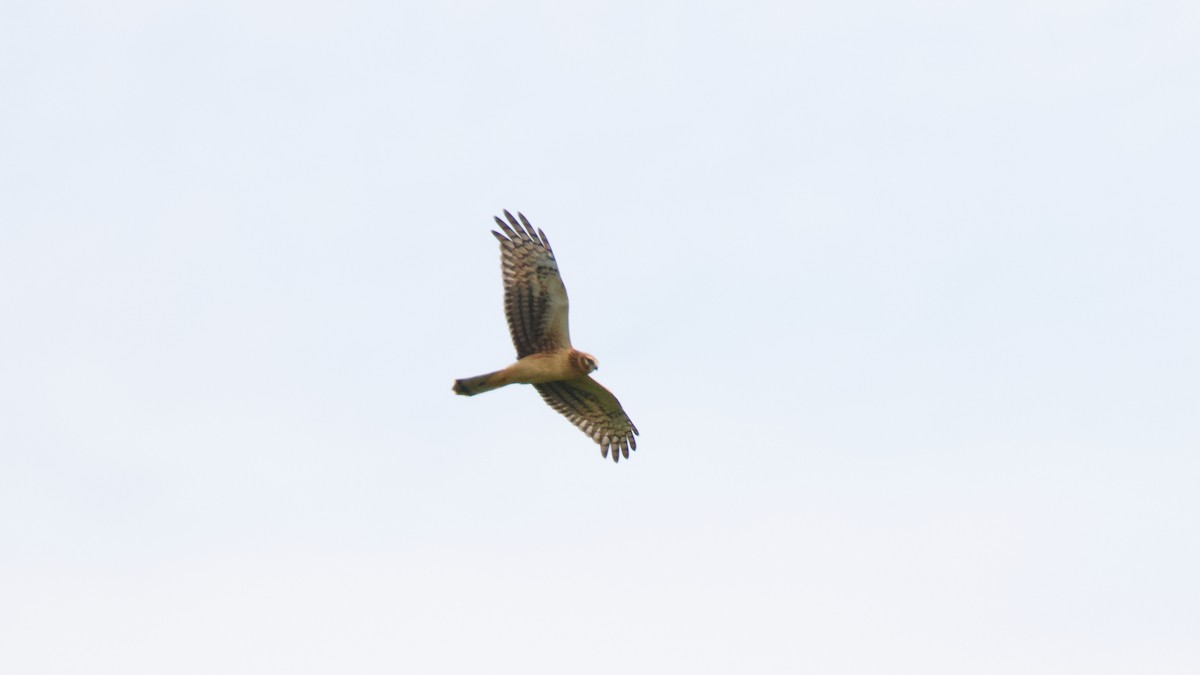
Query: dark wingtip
point(507, 230)
point(528, 228)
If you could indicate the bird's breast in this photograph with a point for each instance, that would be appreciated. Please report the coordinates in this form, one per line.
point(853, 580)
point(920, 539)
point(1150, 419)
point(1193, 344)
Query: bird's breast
point(543, 367)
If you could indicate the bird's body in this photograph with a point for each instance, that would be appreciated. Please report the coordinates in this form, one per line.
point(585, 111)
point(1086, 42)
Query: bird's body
point(535, 303)
point(538, 368)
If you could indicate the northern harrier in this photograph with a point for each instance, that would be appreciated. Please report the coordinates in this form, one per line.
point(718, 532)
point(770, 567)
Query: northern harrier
point(535, 302)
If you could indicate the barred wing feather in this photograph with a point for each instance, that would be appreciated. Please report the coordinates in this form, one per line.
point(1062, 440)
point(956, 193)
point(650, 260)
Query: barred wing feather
point(595, 411)
point(535, 299)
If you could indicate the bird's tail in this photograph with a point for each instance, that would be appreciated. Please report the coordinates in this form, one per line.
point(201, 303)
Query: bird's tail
point(479, 384)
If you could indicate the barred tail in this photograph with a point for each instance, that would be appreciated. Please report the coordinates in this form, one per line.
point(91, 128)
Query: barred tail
point(477, 385)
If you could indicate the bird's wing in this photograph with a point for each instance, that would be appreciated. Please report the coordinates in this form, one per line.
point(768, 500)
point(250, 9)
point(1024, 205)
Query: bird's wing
point(595, 411)
point(535, 299)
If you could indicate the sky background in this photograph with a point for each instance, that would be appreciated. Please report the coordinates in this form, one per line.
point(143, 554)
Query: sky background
point(901, 295)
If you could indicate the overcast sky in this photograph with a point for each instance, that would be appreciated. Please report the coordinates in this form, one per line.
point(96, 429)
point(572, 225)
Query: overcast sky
point(901, 295)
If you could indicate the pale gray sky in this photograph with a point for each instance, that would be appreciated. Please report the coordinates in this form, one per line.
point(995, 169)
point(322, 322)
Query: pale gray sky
point(902, 296)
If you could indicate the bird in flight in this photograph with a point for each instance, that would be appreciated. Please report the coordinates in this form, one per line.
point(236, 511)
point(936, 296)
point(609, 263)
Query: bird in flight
point(535, 302)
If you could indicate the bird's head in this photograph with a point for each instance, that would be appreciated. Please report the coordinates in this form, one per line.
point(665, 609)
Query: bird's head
point(586, 362)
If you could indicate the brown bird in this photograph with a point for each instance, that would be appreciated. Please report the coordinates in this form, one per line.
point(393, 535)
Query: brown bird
point(535, 302)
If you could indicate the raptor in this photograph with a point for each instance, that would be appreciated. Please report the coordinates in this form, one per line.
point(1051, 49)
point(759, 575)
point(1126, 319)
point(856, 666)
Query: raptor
point(535, 302)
